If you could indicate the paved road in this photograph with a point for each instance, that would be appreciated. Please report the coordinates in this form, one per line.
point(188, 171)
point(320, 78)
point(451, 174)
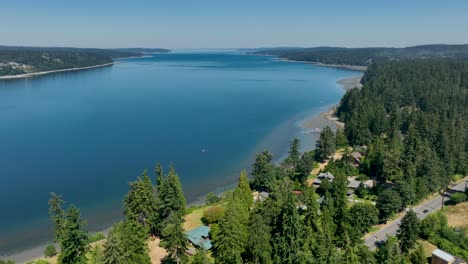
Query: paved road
point(422, 210)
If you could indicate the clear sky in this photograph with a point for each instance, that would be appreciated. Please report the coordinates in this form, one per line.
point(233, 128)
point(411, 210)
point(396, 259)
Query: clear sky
point(232, 24)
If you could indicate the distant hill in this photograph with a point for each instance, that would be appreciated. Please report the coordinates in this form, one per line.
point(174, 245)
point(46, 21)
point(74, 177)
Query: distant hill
point(143, 50)
point(366, 56)
point(22, 60)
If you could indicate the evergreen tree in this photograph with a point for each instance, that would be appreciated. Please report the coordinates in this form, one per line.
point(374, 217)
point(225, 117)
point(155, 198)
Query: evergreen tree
point(325, 146)
point(418, 256)
point(361, 217)
point(305, 166)
point(292, 161)
point(126, 244)
point(263, 172)
point(288, 229)
point(409, 231)
point(200, 257)
point(174, 239)
point(388, 202)
point(259, 247)
point(95, 255)
point(340, 138)
point(389, 252)
point(73, 239)
point(140, 203)
point(231, 238)
point(113, 251)
point(57, 214)
point(243, 190)
point(171, 196)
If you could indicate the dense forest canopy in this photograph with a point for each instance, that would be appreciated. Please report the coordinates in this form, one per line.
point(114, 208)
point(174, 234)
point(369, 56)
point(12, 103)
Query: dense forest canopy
point(21, 60)
point(413, 116)
point(366, 56)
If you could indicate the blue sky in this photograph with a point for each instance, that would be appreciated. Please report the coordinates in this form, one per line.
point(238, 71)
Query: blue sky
point(232, 24)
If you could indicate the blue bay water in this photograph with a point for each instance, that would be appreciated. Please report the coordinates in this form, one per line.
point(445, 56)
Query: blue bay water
point(86, 134)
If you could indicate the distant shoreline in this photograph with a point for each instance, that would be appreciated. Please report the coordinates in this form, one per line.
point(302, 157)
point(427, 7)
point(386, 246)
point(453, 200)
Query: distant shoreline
point(33, 74)
point(342, 66)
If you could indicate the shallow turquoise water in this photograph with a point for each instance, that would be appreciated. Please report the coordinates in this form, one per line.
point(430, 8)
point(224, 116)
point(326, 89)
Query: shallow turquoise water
point(86, 134)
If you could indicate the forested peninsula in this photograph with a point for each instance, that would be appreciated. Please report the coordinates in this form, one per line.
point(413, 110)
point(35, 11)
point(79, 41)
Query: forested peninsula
point(19, 61)
point(366, 56)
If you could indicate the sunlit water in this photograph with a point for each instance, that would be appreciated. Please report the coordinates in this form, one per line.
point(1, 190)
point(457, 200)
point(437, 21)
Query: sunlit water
point(86, 134)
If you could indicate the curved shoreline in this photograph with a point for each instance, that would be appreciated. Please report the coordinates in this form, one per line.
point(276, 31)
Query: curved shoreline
point(33, 74)
point(327, 118)
point(319, 120)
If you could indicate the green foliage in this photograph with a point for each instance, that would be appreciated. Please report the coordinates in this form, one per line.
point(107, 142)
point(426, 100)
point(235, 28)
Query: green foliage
point(436, 230)
point(259, 248)
point(231, 237)
point(361, 217)
point(340, 139)
point(126, 243)
point(171, 196)
point(213, 214)
point(389, 252)
point(50, 251)
point(341, 167)
point(325, 146)
point(96, 237)
point(362, 190)
point(388, 203)
point(293, 160)
point(305, 166)
point(95, 255)
point(409, 230)
point(7, 262)
point(200, 257)
point(418, 256)
point(457, 198)
point(212, 198)
point(57, 214)
point(73, 240)
point(174, 239)
point(287, 227)
point(140, 203)
point(263, 172)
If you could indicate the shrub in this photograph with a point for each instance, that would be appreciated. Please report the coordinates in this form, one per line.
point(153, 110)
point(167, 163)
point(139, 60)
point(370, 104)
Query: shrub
point(457, 198)
point(96, 237)
point(212, 198)
point(213, 214)
point(41, 261)
point(50, 251)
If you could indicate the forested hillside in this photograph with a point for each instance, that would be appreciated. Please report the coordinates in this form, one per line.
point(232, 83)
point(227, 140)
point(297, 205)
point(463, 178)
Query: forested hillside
point(366, 56)
point(20, 60)
point(413, 116)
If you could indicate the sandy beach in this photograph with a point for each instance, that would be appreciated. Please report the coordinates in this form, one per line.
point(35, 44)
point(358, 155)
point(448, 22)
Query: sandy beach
point(33, 74)
point(327, 118)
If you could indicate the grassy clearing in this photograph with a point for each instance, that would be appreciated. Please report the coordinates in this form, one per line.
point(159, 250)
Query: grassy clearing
point(457, 215)
point(428, 247)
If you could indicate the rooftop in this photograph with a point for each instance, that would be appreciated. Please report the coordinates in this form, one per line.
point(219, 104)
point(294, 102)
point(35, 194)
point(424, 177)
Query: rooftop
point(200, 237)
point(443, 255)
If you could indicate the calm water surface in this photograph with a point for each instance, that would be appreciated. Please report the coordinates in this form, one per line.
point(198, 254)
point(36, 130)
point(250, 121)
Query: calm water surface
point(86, 134)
